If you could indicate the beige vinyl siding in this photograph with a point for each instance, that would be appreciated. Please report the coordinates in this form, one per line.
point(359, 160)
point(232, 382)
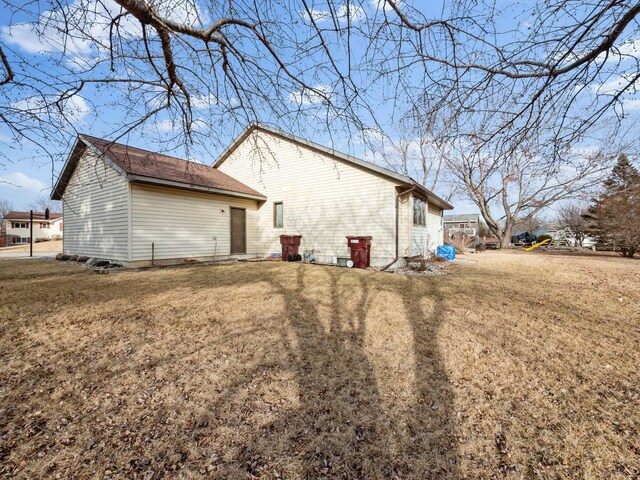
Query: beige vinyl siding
point(324, 199)
point(95, 211)
point(426, 238)
point(434, 224)
point(405, 222)
point(183, 224)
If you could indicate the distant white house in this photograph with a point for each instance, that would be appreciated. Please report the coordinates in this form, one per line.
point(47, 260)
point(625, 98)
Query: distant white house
point(467, 223)
point(133, 206)
point(17, 227)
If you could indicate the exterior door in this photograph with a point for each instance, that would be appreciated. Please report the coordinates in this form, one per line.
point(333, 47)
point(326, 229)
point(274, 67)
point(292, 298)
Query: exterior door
point(238, 230)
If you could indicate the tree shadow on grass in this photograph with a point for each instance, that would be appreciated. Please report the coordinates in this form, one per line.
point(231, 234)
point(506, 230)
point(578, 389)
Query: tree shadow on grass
point(346, 420)
point(343, 427)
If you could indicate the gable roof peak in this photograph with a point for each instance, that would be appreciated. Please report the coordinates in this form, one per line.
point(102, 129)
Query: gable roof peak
point(344, 157)
point(150, 167)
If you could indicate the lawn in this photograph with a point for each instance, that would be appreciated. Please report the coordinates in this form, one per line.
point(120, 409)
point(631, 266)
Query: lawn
point(511, 366)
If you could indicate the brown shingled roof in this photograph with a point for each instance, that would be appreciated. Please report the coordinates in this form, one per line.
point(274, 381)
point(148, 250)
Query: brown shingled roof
point(151, 165)
point(39, 216)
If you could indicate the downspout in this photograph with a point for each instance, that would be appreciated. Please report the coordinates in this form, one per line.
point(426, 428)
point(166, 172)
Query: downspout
point(398, 195)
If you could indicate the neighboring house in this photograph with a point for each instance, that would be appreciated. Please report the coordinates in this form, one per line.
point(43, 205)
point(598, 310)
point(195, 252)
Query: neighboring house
point(466, 223)
point(18, 229)
point(134, 206)
point(3, 233)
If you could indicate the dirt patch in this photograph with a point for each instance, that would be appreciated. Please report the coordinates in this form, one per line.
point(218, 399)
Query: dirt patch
point(515, 366)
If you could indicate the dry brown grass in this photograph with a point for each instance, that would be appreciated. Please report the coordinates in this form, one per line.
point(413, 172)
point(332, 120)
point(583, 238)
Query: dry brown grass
point(514, 366)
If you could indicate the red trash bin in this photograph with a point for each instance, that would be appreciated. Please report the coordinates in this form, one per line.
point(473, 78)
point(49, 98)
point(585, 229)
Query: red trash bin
point(360, 250)
point(290, 244)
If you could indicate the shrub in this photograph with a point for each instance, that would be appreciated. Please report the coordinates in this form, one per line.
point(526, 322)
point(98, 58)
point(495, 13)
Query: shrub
point(542, 238)
point(459, 240)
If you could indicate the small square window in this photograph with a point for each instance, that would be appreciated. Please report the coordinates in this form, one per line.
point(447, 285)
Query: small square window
point(278, 215)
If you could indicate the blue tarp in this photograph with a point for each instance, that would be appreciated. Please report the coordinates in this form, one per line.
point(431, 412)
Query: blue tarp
point(446, 251)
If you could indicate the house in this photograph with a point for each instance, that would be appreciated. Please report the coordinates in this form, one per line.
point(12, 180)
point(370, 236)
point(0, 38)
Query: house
point(18, 229)
point(3, 233)
point(466, 223)
point(137, 207)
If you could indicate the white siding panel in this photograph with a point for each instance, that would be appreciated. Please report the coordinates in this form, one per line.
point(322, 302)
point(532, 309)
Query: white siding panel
point(406, 220)
point(183, 224)
point(435, 224)
point(324, 199)
point(95, 207)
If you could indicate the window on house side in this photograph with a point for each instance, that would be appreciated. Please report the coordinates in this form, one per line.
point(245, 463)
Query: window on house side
point(419, 212)
point(278, 215)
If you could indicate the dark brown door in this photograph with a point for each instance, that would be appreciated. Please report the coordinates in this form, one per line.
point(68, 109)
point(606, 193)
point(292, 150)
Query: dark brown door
point(238, 230)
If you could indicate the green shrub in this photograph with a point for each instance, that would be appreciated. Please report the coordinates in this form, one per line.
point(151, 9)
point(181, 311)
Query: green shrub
point(542, 238)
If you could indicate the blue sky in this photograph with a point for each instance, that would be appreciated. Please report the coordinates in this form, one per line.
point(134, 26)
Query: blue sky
point(25, 173)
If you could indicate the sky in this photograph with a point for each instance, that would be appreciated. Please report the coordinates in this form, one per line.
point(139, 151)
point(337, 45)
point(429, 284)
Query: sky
point(25, 173)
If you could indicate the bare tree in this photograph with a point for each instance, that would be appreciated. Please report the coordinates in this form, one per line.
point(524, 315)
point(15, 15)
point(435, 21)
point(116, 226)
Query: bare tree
point(527, 223)
point(519, 100)
point(573, 215)
point(410, 151)
point(490, 80)
point(183, 72)
point(563, 71)
point(506, 190)
point(44, 202)
point(6, 206)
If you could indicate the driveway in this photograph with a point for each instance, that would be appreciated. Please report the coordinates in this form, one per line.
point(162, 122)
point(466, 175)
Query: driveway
point(25, 255)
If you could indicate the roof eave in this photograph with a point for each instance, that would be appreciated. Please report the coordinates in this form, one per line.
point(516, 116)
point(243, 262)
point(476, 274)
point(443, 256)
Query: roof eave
point(403, 179)
point(56, 193)
point(312, 145)
point(432, 197)
point(197, 188)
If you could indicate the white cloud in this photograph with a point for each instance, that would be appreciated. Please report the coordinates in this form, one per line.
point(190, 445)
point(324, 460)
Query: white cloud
point(82, 28)
point(19, 180)
point(185, 11)
point(631, 104)
point(311, 97)
point(318, 16)
point(613, 85)
point(71, 29)
point(354, 13)
point(166, 126)
point(383, 5)
point(344, 12)
point(74, 109)
point(630, 47)
point(585, 151)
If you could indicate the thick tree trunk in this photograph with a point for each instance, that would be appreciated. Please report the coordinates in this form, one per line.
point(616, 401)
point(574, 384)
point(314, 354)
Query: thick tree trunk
point(505, 237)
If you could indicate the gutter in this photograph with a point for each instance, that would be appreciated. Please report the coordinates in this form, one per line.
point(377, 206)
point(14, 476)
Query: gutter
point(398, 195)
